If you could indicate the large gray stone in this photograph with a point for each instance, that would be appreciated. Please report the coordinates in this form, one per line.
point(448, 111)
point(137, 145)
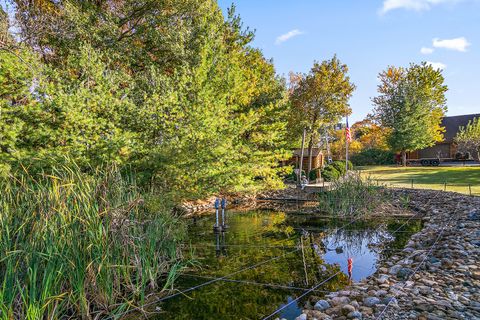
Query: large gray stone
point(404, 273)
point(346, 309)
point(371, 301)
point(303, 316)
point(474, 215)
point(322, 305)
point(354, 315)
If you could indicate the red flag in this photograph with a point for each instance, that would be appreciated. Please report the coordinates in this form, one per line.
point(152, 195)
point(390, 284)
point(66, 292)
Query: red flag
point(348, 134)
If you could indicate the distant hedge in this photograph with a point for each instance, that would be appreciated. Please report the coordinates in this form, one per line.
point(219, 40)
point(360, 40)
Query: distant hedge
point(373, 157)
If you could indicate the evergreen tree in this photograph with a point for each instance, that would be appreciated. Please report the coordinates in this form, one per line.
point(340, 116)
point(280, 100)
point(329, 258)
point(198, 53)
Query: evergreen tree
point(171, 88)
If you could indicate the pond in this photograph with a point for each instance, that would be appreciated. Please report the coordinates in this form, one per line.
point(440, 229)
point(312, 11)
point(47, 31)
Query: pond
point(269, 258)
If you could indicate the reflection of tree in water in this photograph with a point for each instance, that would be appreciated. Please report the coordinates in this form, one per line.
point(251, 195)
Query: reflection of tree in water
point(255, 237)
point(224, 300)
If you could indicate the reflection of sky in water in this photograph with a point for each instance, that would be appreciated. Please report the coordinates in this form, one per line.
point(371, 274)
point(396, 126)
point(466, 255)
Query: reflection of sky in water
point(254, 237)
point(364, 258)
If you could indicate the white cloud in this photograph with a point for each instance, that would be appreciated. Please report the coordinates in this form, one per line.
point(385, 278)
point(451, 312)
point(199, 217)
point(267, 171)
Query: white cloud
point(288, 35)
point(437, 65)
point(415, 5)
point(457, 44)
point(425, 50)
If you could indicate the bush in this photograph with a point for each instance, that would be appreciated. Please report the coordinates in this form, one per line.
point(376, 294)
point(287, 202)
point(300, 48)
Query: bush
point(340, 166)
point(293, 176)
point(373, 157)
point(329, 173)
point(314, 174)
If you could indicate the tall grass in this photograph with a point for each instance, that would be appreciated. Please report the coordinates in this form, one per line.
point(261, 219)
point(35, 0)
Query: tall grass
point(80, 246)
point(353, 195)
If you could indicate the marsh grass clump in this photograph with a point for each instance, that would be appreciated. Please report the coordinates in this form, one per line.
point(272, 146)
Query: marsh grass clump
point(81, 246)
point(353, 195)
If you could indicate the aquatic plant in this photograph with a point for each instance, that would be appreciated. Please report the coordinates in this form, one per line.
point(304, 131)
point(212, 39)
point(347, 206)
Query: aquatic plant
point(80, 246)
point(352, 195)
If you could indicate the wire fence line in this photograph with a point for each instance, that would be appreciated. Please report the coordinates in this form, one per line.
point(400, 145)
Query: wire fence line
point(471, 189)
point(226, 277)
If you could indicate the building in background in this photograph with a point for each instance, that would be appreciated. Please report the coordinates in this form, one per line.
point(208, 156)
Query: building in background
point(447, 149)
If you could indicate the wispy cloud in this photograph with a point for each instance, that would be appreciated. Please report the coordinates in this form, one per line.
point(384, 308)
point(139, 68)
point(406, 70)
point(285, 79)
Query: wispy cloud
point(437, 65)
point(287, 36)
point(425, 50)
point(458, 44)
point(414, 5)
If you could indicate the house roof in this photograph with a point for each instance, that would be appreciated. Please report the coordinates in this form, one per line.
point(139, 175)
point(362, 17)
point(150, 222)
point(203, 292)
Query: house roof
point(452, 125)
point(315, 152)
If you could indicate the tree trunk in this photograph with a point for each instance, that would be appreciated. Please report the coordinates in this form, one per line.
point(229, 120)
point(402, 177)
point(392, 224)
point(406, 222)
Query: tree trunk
point(301, 158)
point(404, 158)
point(310, 147)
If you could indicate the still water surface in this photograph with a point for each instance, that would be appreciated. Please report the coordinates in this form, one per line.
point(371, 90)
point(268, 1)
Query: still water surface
point(257, 236)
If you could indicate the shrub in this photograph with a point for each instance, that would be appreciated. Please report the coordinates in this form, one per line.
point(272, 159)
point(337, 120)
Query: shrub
point(373, 157)
point(293, 176)
point(314, 174)
point(340, 166)
point(329, 173)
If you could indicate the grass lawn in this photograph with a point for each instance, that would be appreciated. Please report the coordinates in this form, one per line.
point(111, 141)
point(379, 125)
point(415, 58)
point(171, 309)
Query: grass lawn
point(457, 178)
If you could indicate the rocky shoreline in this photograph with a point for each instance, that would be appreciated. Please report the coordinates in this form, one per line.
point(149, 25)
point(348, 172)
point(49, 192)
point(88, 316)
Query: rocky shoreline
point(436, 276)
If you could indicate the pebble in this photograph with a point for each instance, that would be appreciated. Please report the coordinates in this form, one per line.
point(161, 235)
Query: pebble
point(321, 305)
point(446, 282)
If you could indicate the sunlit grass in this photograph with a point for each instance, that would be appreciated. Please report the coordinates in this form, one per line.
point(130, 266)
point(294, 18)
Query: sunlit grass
point(80, 246)
point(458, 179)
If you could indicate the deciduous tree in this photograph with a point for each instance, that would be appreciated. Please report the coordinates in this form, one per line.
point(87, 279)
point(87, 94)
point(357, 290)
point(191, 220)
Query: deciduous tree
point(468, 138)
point(320, 98)
point(411, 105)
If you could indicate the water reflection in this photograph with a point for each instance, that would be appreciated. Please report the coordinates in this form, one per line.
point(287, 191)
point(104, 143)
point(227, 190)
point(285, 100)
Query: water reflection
point(304, 252)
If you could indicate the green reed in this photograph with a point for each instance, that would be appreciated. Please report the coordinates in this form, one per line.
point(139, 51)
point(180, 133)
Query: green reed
point(353, 195)
point(81, 246)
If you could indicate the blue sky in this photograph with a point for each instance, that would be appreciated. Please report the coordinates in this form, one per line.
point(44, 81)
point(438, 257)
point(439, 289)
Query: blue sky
point(368, 36)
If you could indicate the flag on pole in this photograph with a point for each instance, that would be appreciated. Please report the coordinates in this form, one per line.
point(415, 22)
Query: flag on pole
point(348, 134)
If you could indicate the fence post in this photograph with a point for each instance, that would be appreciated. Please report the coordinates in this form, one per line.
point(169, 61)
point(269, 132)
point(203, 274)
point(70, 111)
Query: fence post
point(412, 183)
point(470, 189)
point(445, 186)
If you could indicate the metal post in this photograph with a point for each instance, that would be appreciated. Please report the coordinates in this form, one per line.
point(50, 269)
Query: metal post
point(301, 157)
point(217, 244)
point(217, 205)
point(304, 262)
point(224, 206)
point(470, 188)
point(346, 149)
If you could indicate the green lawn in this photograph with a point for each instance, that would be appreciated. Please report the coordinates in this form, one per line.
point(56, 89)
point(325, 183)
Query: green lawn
point(459, 179)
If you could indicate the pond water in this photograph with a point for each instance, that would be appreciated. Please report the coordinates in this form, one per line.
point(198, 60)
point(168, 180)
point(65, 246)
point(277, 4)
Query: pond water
point(270, 258)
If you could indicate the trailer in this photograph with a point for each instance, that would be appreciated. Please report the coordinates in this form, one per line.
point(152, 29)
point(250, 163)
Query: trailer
point(435, 162)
